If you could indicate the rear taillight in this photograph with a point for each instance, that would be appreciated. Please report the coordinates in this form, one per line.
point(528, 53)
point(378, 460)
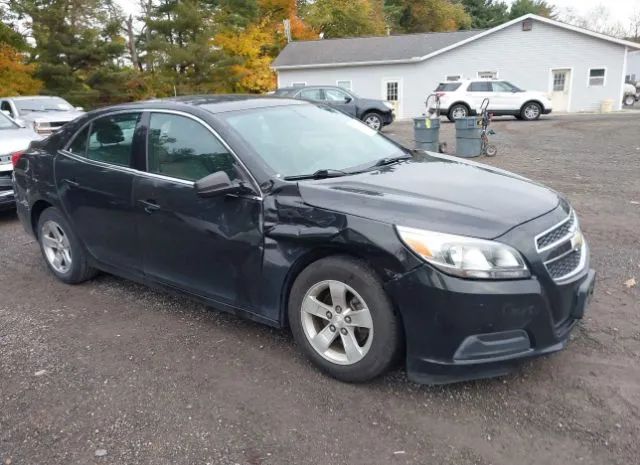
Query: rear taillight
point(15, 158)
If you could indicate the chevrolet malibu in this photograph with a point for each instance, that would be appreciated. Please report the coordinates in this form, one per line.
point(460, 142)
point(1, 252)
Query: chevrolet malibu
point(295, 215)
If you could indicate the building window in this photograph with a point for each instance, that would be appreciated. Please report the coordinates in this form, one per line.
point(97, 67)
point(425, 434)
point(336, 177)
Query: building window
point(453, 77)
point(559, 81)
point(487, 75)
point(392, 91)
point(298, 84)
point(630, 79)
point(344, 84)
point(597, 77)
point(527, 25)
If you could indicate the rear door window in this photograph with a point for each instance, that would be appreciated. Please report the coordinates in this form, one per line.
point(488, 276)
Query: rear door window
point(79, 144)
point(448, 87)
point(311, 94)
point(111, 138)
point(481, 86)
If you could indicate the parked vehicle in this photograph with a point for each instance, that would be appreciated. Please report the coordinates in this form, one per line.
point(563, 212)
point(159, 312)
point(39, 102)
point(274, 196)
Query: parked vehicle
point(631, 94)
point(374, 113)
point(44, 114)
point(293, 214)
point(460, 99)
point(13, 138)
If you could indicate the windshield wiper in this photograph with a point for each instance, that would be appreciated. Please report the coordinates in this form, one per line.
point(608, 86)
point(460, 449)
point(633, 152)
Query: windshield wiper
point(320, 174)
point(391, 160)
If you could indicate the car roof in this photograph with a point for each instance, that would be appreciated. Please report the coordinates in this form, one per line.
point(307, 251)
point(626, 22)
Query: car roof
point(211, 103)
point(32, 97)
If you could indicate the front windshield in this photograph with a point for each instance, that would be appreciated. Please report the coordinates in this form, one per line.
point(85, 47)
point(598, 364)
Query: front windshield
point(43, 104)
point(302, 139)
point(6, 123)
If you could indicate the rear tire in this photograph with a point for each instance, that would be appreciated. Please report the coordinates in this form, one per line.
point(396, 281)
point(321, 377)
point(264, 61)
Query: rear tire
point(458, 111)
point(335, 301)
point(62, 251)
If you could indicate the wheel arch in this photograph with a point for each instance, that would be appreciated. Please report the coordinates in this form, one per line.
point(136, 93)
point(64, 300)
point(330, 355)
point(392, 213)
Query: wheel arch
point(36, 210)
point(309, 258)
point(532, 101)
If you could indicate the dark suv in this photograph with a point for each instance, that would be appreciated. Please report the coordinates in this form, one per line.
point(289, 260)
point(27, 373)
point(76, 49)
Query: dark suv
point(374, 113)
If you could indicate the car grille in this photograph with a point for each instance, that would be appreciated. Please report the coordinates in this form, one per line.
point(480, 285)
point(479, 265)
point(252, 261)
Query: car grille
point(565, 265)
point(5, 159)
point(558, 234)
point(564, 249)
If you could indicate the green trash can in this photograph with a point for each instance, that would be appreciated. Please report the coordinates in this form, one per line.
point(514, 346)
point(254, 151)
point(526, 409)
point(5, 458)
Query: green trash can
point(426, 133)
point(468, 137)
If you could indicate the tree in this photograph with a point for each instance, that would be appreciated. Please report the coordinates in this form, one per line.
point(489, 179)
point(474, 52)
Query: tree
point(16, 77)
point(9, 32)
point(73, 39)
point(537, 7)
point(337, 18)
point(408, 16)
point(486, 13)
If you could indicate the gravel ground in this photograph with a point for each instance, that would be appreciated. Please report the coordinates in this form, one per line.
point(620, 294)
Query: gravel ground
point(110, 372)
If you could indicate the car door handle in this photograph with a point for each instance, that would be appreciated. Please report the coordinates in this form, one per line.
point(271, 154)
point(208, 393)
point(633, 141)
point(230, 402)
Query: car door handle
point(150, 206)
point(71, 182)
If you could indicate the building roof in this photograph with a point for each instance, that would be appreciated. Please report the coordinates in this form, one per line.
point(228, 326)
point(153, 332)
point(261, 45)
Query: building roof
point(367, 49)
point(361, 51)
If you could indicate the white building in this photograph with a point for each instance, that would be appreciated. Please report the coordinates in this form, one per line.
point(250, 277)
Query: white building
point(633, 67)
point(578, 68)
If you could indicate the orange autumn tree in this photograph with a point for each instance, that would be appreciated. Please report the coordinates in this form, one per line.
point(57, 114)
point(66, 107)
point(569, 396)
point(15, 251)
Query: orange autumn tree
point(16, 76)
point(251, 50)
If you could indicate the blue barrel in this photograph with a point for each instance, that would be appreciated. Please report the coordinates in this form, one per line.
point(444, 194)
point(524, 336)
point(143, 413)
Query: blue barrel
point(426, 133)
point(468, 137)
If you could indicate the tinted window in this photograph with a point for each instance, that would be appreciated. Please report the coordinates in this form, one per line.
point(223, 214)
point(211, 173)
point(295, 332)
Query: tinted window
point(182, 148)
point(502, 87)
point(311, 94)
point(448, 87)
point(301, 139)
point(335, 95)
point(79, 144)
point(6, 107)
point(111, 138)
point(479, 87)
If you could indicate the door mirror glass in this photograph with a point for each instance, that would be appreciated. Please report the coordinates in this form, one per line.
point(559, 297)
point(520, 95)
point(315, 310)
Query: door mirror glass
point(217, 184)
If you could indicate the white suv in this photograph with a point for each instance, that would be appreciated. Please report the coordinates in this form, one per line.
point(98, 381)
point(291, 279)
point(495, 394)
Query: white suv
point(464, 98)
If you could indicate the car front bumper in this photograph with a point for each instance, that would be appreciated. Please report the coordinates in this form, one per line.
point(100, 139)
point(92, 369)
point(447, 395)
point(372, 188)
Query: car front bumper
point(7, 197)
point(459, 329)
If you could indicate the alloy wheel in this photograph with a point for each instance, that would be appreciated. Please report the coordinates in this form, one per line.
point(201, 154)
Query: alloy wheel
point(56, 246)
point(337, 322)
point(373, 122)
point(532, 111)
point(459, 112)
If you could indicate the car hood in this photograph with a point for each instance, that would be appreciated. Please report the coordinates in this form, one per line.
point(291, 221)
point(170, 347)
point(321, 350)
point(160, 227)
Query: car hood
point(436, 193)
point(51, 116)
point(13, 140)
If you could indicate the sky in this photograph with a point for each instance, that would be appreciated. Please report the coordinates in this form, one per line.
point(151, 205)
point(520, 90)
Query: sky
point(620, 10)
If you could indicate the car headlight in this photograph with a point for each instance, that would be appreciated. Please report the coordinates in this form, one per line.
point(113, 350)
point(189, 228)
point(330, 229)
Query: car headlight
point(465, 256)
point(389, 105)
point(41, 125)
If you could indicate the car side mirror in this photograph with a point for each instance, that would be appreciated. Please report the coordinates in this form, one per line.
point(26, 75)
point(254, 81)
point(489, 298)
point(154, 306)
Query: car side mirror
point(347, 100)
point(217, 184)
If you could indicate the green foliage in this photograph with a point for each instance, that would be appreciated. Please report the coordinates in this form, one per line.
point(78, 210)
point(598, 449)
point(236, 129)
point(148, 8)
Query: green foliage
point(410, 16)
point(538, 7)
point(8, 31)
point(486, 13)
point(337, 18)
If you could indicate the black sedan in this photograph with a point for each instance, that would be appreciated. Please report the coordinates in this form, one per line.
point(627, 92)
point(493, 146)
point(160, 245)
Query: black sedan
point(295, 215)
point(374, 113)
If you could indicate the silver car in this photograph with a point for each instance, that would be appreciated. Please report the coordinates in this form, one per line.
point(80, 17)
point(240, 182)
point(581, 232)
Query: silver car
point(13, 138)
point(44, 114)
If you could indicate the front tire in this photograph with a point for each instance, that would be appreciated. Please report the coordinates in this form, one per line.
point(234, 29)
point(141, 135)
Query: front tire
point(62, 251)
point(629, 100)
point(373, 120)
point(343, 320)
point(531, 111)
point(458, 111)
